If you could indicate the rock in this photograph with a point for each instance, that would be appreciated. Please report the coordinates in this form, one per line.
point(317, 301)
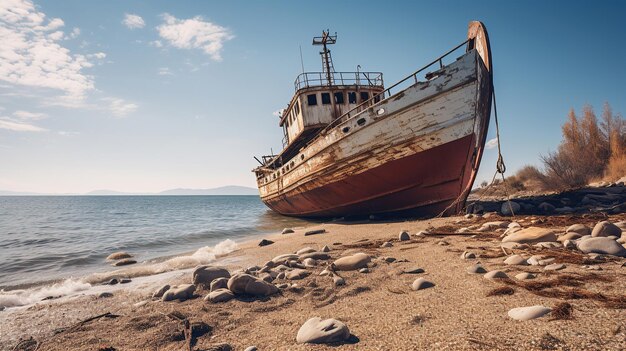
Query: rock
point(124, 262)
point(569, 236)
point(414, 270)
point(386, 244)
point(463, 230)
point(219, 295)
point(606, 228)
point(125, 280)
point(514, 245)
point(251, 348)
point(159, 293)
point(509, 208)
point(364, 270)
point(266, 277)
point(404, 236)
point(476, 269)
point(217, 347)
point(548, 244)
point(309, 262)
point(245, 284)
point(282, 286)
point(531, 235)
point(601, 245)
point(621, 225)
point(525, 276)
point(338, 281)
point(219, 283)
point(287, 231)
point(496, 275)
point(265, 242)
point(297, 274)
point(580, 229)
point(315, 256)
point(422, 233)
point(539, 260)
point(570, 245)
point(113, 281)
point(554, 267)
point(516, 260)
point(353, 262)
point(442, 243)
point(467, 255)
point(494, 225)
point(104, 295)
point(325, 248)
point(318, 331)
point(546, 207)
point(119, 255)
point(181, 292)
point(305, 250)
point(421, 283)
point(281, 275)
point(316, 231)
point(593, 268)
point(528, 313)
point(389, 259)
point(204, 275)
point(284, 258)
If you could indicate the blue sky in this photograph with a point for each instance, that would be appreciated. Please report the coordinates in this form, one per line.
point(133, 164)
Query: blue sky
point(145, 96)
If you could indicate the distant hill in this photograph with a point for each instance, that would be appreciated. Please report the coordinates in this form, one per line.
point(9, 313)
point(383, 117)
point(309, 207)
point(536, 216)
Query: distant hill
point(108, 192)
point(16, 193)
point(224, 190)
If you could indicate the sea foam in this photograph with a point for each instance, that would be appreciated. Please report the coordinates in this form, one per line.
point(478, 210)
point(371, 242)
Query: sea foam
point(15, 298)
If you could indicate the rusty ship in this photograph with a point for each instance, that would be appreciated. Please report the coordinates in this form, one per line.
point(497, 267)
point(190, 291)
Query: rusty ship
point(352, 147)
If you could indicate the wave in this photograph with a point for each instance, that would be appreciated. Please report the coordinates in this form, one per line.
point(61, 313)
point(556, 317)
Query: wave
point(15, 298)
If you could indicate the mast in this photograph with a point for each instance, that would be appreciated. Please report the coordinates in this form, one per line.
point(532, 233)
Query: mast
point(327, 60)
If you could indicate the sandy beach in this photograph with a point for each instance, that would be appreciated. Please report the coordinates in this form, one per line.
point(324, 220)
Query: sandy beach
point(380, 309)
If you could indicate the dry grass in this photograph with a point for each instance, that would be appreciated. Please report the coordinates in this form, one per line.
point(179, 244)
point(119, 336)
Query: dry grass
point(503, 290)
point(561, 311)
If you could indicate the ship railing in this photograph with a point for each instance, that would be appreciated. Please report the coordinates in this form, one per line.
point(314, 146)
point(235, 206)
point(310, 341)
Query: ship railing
point(378, 98)
point(319, 79)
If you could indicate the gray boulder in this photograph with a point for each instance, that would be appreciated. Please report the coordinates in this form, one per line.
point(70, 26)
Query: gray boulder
point(421, 283)
point(606, 228)
point(528, 313)
point(404, 236)
point(180, 292)
point(318, 331)
point(579, 229)
point(496, 275)
point(204, 275)
point(219, 295)
point(297, 274)
point(353, 262)
point(602, 245)
point(159, 293)
point(531, 235)
point(516, 260)
point(219, 283)
point(246, 284)
point(119, 255)
point(507, 206)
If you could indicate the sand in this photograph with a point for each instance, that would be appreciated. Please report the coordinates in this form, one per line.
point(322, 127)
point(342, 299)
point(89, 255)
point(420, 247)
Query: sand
point(380, 308)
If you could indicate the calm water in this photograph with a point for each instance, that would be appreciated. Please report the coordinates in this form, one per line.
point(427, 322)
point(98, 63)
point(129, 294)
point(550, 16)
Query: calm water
point(46, 238)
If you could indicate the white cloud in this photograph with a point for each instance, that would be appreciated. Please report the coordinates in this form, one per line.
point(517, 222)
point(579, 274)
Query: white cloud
point(29, 115)
point(74, 34)
point(98, 55)
point(133, 21)
point(18, 126)
point(195, 33)
point(156, 44)
point(491, 143)
point(165, 71)
point(120, 107)
point(30, 54)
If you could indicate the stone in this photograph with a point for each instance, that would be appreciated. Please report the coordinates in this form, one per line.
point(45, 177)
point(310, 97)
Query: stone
point(593, 268)
point(325, 272)
point(546, 207)
point(124, 262)
point(119, 255)
point(104, 295)
point(315, 256)
point(305, 250)
point(442, 243)
point(353, 262)
point(204, 275)
point(539, 260)
point(315, 231)
point(606, 228)
point(125, 280)
point(282, 286)
point(297, 274)
point(509, 208)
point(580, 229)
point(318, 331)
point(404, 236)
point(364, 270)
point(463, 230)
point(422, 233)
point(325, 249)
point(338, 281)
point(524, 276)
point(421, 283)
point(386, 244)
point(309, 262)
point(476, 269)
point(287, 231)
point(554, 267)
point(601, 245)
point(281, 275)
point(564, 210)
point(159, 293)
point(219, 295)
point(284, 258)
point(245, 284)
point(113, 281)
point(468, 255)
point(528, 313)
point(414, 270)
point(513, 225)
point(494, 225)
point(496, 275)
point(516, 260)
point(548, 244)
point(251, 348)
point(389, 259)
point(219, 283)
point(569, 236)
point(531, 235)
point(570, 245)
point(181, 292)
point(266, 277)
point(621, 225)
point(265, 242)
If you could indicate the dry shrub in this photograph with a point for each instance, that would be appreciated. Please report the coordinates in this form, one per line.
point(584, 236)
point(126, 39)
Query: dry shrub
point(503, 290)
point(562, 310)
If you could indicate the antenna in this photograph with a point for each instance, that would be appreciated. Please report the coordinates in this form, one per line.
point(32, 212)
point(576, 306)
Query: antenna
point(327, 61)
point(301, 60)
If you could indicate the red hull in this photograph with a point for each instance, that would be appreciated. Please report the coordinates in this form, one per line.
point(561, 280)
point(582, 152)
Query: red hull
point(422, 184)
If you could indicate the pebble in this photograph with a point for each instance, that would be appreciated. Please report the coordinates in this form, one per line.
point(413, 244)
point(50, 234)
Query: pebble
point(468, 255)
point(531, 235)
point(364, 270)
point(554, 267)
point(388, 259)
point(421, 283)
point(516, 260)
point(315, 256)
point(219, 295)
point(606, 228)
point(119, 255)
point(159, 293)
point(181, 292)
point(219, 283)
point(309, 262)
point(569, 236)
point(204, 275)
point(442, 243)
point(422, 233)
point(404, 236)
point(124, 262)
point(580, 229)
point(282, 286)
point(325, 272)
point(496, 275)
point(528, 313)
point(570, 245)
point(125, 280)
point(476, 269)
point(104, 295)
point(593, 268)
point(539, 260)
point(297, 274)
point(525, 276)
point(353, 262)
point(601, 245)
point(245, 284)
point(265, 242)
point(325, 248)
point(463, 230)
point(316, 231)
point(318, 331)
point(287, 231)
point(338, 281)
point(305, 250)
point(386, 244)
point(284, 258)
point(112, 282)
point(251, 348)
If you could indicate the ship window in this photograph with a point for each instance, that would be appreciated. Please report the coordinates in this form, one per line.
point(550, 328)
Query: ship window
point(339, 98)
point(360, 121)
point(365, 95)
point(297, 107)
point(302, 157)
point(345, 129)
point(312, 99)
point(291, 164)
point(325, 98)
point(377, 98)
point(351, 97)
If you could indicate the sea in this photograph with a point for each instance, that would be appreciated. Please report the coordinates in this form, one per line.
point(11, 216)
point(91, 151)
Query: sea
point(49, 244)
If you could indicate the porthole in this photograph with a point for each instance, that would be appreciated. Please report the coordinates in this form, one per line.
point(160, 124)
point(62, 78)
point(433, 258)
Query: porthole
point(380, 111)
point(360, 121)
point(302, 157)
point(291, 164)
point(345, 129)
